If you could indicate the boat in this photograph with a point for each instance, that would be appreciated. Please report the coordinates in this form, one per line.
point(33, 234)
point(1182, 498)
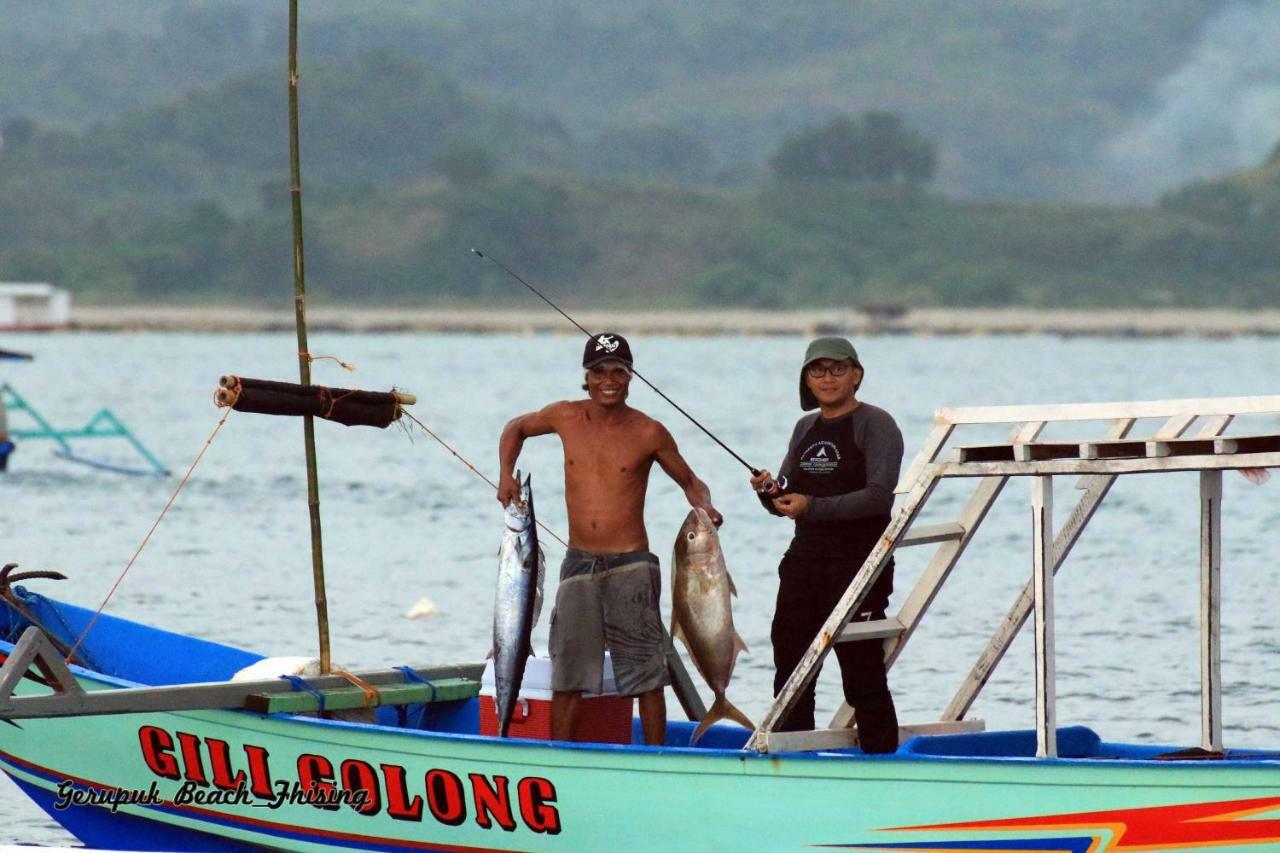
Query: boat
point(142, 742)
point(104, 425)
point(133, 737)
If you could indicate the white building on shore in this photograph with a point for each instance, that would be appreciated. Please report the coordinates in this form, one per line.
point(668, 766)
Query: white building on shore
point(33, 306)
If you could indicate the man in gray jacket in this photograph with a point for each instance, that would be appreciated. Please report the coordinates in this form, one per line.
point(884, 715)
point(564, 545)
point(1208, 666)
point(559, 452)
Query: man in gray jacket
point(837, 483)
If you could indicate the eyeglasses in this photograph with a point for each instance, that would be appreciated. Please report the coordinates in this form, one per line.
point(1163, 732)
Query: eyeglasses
point(835, 368)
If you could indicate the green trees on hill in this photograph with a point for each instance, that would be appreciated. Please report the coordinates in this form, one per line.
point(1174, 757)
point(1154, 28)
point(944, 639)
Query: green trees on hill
point(876, 147)
point(651, 151)
point(154, 222)
point(1024, 94)
point(405, 170)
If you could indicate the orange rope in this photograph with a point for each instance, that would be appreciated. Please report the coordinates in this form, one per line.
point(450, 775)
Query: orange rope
point(225, 398)
point(314, 358)
point(371, 694)
point(147, 538)
point(460, 458)
point(326, 396)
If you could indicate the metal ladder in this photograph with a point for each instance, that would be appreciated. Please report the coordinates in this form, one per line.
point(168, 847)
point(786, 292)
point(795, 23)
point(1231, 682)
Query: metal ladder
point(1098, 463)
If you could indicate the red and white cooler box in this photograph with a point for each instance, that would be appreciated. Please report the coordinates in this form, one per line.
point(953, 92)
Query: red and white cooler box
point(605, 717)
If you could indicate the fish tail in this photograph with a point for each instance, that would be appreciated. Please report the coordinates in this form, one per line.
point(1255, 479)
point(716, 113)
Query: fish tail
point(721, 709)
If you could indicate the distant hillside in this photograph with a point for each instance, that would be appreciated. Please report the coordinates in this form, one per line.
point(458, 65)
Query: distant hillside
point(602, 243)
point(1022, 96)
point(229, 143)
point(597, 149)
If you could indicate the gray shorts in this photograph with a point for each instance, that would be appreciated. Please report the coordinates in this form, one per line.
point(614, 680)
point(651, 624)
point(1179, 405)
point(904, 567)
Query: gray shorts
point(608, 601)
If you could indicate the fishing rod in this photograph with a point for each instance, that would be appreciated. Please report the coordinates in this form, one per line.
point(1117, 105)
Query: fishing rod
point(755, 472)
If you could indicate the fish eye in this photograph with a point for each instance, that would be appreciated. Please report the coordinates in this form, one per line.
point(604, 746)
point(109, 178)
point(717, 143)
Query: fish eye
point(691, 535)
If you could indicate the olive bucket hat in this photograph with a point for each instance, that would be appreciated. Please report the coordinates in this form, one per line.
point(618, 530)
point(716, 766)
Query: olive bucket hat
point(833, 348)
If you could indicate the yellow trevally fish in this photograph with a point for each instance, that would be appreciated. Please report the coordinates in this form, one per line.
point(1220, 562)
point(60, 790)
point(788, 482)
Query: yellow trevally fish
point(702, 613)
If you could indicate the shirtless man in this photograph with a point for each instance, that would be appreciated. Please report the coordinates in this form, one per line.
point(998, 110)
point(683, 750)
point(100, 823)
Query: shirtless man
point(610, 583)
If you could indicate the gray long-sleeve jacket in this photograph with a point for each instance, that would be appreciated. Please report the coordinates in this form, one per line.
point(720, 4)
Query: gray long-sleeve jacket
point(876, 434)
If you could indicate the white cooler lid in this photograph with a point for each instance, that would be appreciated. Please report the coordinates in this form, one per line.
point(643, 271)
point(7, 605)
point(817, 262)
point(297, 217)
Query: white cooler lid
point(537, 679)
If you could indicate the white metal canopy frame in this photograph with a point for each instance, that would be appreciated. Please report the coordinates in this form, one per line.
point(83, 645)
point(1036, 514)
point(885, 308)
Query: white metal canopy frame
point(1173, 446)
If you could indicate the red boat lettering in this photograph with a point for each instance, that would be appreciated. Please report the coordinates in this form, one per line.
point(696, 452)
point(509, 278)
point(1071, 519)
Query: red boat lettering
point(445, 797)
point(315, 773)
point(259, 772)
point(399, 806)
point(157, 752)
point(492, 801)
point(535, 794)
point(191, 762)
point(359, 777)
point(220, 760)
point(367, 790)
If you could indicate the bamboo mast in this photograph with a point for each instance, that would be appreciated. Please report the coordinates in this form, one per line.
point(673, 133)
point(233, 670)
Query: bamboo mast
point(304, 360)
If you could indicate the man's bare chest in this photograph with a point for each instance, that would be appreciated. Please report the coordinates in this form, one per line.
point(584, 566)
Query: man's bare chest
point(607, 453)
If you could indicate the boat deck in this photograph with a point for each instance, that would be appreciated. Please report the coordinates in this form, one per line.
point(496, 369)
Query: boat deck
point(126, 654)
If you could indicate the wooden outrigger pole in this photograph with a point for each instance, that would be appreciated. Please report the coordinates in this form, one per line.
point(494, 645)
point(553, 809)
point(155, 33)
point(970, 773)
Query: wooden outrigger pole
point(304, 358)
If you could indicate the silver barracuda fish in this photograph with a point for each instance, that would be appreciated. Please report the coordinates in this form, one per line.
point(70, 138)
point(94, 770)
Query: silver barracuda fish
point(702, 613)
point(518, 602)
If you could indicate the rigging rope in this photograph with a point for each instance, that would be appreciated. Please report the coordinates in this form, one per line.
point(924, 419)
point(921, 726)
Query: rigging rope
point(350, 368)
point(473, 468)
point(186, 477)
point(147, 538)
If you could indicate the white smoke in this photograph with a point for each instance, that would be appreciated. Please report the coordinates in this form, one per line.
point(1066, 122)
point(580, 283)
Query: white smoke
point(1218, 113)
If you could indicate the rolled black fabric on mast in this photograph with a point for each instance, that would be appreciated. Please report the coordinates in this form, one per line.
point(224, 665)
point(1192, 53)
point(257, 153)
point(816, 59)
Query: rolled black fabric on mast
point(340, 405)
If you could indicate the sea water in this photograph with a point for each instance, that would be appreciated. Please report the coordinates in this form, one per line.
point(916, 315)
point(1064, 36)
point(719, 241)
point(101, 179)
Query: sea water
point(404, 519)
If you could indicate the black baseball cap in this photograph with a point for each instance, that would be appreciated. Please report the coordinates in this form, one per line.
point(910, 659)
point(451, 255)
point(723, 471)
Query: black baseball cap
point(604, 347)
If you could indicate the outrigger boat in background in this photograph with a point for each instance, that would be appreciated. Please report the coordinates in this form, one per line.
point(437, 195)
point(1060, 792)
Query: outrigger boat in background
point(103, 425)
point(145, 723)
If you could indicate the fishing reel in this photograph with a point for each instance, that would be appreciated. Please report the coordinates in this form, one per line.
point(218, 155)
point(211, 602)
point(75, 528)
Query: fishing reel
point(776, 488)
